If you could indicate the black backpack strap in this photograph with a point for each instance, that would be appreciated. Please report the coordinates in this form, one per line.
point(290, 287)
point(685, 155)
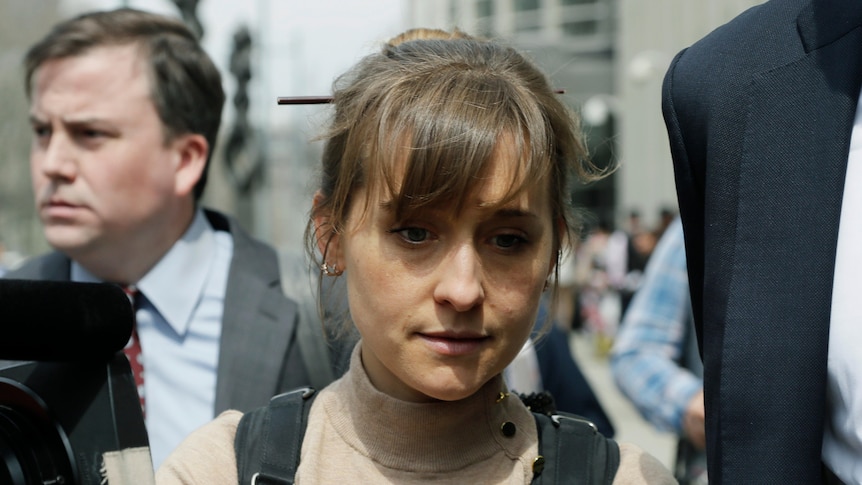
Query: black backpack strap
point(269, 439)
point(572, 451)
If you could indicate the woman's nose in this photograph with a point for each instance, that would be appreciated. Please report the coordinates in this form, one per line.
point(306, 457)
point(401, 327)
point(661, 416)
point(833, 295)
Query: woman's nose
point(461, 279)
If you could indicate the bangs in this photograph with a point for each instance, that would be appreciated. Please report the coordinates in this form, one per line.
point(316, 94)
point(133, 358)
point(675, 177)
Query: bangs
point(430, 151)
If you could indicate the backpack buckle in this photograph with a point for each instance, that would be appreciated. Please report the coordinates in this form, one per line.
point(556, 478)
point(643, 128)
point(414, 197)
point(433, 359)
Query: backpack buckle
point(263, 479)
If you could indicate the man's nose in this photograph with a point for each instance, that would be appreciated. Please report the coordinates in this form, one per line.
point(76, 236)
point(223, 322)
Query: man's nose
point(57, 157)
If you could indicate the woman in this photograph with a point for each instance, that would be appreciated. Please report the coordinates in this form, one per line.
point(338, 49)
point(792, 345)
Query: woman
point(443, 202)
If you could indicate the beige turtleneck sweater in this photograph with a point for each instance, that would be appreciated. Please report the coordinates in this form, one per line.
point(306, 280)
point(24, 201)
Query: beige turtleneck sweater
point(356, 434)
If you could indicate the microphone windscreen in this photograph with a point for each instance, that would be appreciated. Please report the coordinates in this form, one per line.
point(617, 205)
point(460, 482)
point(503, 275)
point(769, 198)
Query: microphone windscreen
point(62, 320)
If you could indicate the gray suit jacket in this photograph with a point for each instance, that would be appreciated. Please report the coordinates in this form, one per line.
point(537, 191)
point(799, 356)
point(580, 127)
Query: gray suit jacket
point(259, 355)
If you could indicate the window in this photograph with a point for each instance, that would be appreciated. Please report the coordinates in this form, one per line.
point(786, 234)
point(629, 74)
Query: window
point(484, 8)
point(583, 27)
point(524, 5)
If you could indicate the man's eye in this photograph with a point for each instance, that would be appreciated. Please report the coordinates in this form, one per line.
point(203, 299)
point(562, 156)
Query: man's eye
point(41, 131)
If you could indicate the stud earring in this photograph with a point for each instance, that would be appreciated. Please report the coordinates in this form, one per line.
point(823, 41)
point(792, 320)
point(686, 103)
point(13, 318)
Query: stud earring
point(329, 270)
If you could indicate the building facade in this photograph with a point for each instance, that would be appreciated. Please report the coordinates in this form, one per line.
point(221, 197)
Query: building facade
point(610, 57)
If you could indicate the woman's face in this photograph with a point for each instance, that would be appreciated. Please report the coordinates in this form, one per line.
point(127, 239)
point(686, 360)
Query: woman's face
point(444, 302)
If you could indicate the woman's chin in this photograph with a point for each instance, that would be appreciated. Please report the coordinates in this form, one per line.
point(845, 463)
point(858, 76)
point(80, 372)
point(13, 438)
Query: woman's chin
point(454, 391)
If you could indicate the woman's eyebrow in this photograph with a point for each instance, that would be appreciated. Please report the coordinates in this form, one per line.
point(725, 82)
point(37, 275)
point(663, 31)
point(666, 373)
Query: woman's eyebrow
point(515, 213)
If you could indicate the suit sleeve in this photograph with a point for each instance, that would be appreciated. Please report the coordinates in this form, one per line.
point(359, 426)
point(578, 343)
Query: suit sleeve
point(677, 97)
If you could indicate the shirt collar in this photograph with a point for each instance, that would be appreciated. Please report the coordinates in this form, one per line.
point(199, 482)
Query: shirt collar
point(174, 286)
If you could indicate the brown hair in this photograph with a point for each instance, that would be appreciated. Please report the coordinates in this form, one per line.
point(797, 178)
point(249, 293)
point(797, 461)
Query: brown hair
point(441, 103)
point(186, 86)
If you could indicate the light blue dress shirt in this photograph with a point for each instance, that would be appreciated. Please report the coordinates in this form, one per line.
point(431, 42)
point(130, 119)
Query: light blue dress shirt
point(179, 327)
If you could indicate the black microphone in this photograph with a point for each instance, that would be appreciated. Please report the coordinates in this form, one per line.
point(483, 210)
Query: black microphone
point(62, 320)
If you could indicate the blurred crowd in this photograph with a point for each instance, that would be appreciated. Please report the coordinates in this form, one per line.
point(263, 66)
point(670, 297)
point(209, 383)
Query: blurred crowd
point(599, 278)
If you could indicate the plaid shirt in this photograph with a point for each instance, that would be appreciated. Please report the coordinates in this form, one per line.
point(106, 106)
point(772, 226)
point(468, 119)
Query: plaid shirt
point(654, 336)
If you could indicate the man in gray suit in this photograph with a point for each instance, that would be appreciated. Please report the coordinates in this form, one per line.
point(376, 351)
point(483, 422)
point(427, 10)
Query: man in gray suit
point(125, 108)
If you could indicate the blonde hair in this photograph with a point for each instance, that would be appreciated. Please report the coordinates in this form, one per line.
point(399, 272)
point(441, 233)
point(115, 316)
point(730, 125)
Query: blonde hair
point(422, 33)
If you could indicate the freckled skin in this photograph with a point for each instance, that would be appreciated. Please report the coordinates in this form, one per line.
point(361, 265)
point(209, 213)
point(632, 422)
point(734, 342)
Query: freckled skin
point(416, 287)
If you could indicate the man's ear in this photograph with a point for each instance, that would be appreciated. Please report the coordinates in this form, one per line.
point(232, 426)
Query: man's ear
point(191, 152)
point(325, 235)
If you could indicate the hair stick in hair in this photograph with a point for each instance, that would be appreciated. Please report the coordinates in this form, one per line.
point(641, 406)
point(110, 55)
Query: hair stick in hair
point(304, 99)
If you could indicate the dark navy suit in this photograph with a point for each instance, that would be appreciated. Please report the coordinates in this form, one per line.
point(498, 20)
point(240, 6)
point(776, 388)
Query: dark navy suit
point(759, 115)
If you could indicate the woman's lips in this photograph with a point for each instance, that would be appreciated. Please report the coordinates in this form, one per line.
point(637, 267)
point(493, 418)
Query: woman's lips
point(454, 345)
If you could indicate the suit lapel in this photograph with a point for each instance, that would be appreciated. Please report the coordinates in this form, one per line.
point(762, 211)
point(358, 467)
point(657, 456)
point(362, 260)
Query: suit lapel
point(791, 180)
point(257, 327)
point(53, 266)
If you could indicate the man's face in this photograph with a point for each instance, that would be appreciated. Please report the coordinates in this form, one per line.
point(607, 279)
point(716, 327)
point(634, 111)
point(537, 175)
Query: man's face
point(104, 178)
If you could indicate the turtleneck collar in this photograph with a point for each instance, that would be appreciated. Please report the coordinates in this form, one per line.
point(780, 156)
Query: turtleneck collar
point(428, 437)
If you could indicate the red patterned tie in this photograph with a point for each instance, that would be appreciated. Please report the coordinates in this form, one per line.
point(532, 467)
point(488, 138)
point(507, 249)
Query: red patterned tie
point(133, 347)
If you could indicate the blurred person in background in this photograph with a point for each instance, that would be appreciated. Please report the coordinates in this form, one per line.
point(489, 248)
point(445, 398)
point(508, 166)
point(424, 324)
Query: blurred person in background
point(598, 264)
point(655, 361)
point(546, 364)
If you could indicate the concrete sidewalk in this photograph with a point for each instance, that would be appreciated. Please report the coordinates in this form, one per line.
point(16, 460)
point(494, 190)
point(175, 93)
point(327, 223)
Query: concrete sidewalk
point(629, 425)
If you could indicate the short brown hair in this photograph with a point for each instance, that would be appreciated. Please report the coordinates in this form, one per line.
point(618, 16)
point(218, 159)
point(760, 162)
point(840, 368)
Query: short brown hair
point(185, 85)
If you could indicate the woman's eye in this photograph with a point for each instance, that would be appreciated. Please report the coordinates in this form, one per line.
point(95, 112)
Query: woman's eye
point(508, 241)
point(412, 235)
